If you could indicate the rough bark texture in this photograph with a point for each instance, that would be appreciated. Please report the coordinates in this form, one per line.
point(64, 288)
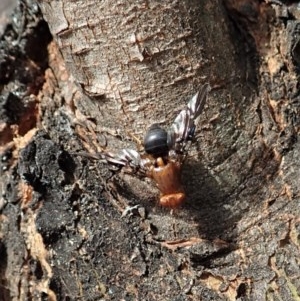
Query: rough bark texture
point(71, 228)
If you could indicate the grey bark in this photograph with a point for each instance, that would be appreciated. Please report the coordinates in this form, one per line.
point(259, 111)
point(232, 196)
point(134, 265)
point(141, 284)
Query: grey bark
point(113, 69)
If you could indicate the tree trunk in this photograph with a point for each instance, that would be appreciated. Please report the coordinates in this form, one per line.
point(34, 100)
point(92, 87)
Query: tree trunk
point(74, 228)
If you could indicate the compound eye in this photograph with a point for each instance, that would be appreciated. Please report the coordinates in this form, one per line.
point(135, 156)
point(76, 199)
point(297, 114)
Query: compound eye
point(155, 141)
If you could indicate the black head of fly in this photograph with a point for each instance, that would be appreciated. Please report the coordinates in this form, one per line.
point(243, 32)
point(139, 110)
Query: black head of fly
point(156, 141)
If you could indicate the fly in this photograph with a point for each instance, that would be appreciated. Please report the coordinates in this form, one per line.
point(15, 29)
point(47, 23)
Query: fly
point(165, 151)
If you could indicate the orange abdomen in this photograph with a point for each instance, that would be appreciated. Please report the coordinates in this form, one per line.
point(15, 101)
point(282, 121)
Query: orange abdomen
point(168, 180)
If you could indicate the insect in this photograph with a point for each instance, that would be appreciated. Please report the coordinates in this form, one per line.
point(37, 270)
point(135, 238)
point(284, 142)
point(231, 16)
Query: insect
point(165, 152)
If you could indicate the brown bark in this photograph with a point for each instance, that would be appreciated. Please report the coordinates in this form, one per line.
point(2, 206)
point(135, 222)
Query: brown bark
point(113, 69)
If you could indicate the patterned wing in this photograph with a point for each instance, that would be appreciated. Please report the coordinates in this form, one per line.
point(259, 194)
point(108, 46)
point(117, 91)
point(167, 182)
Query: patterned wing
point(127, 159)
point(183, 128)
point(130, 159)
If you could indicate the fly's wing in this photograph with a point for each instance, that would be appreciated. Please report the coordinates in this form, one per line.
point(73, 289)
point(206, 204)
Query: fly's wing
point(183, 128)
point(129, 159)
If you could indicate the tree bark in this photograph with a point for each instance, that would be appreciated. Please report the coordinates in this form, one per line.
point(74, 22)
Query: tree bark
point(73, 228)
